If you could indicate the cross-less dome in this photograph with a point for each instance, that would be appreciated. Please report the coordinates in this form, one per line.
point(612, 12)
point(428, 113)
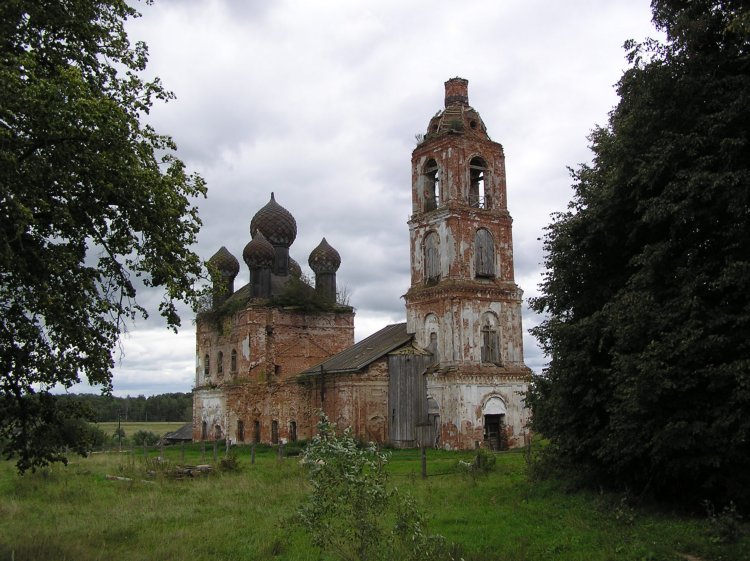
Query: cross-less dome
point(225, 263)
point(458, 117)
point(324, 259)
point(277, 224)
point(259, 253)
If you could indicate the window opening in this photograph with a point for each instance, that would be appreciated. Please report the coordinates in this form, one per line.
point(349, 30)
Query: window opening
point(432, 257)
point(240, 431)
point(217, 432)
point(490, 343)
point(233, 361)
point(220, 363)
point(274, 432)
point(432, 186)
point(477, 187)
point(256, 431)
point(206, 366)
point(293, 431)
point(484, 254)
point(204, 430)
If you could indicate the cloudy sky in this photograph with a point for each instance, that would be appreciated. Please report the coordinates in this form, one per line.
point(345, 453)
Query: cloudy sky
point(320, 103)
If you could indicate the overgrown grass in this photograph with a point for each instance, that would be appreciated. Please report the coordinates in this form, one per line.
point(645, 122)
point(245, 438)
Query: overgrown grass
point(75, 513)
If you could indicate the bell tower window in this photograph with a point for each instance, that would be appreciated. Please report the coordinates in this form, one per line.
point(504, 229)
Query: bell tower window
point(484, 254)
point(431, 186)
point(477, 186)
point(431, 257)
point(490, 339)
point(220, 363)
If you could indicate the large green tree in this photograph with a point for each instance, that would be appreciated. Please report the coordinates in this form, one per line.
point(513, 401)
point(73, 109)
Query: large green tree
point(92, 202)
point(647, 291)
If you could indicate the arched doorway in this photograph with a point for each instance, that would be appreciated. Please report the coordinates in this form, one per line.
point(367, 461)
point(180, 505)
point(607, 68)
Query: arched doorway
point(494, 411)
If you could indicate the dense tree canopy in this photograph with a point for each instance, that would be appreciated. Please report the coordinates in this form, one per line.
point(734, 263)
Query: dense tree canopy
point(92, 202)
point(647, 293)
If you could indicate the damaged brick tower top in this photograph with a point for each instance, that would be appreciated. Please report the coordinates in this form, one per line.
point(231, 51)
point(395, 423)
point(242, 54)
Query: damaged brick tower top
point(463, 303)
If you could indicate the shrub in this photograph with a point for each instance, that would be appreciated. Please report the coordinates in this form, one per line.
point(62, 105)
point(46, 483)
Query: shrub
point(350, 506)
point(145, 437)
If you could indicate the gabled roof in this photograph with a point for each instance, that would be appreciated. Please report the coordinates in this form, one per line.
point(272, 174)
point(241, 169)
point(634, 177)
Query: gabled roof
point(365, 352)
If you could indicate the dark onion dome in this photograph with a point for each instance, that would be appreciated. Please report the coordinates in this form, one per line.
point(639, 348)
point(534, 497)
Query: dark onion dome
point(294, 269)
point(225, 263)
point(259, 253)
point(324, 259)
point(277, 224)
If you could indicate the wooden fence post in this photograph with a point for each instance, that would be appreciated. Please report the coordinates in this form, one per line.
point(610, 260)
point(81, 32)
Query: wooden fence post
point(423, 453)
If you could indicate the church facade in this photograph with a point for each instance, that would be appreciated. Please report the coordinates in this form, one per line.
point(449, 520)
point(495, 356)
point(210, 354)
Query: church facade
point(278, 351)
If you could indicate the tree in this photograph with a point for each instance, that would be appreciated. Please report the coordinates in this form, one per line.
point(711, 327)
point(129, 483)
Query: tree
point(647, 290)
point(92, 202)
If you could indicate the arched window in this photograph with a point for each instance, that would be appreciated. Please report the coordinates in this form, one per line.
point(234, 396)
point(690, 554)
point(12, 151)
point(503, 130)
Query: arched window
point(274, 432)
point(206, 366)
point(432, 257)
point(256, 431)
point(431, 186)
point(477, 185)
point(217, 432)
point(204, 430)
point(233, 362)
point(484, 254)
point(293, 431)
point(490, 339)
point(220, 363)
point(240, 431)
point(432, 327)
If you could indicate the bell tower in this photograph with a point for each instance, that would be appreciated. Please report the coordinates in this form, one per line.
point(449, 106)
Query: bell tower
point(463, 304)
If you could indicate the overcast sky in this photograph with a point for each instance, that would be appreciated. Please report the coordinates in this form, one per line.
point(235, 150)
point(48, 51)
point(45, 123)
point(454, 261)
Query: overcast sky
point(320, 103)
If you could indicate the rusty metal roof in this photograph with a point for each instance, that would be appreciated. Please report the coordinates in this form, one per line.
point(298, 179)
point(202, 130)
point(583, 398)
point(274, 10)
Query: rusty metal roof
point(365, 352)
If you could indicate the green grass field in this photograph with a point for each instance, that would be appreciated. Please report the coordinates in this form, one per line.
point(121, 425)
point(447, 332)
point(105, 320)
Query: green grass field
point(158, 428)
point(75, 513)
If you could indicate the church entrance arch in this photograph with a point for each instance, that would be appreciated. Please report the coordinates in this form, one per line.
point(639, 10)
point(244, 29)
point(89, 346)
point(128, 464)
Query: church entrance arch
point(494, 413)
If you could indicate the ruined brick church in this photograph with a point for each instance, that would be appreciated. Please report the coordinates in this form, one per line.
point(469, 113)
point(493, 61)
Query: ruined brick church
point(274, 353)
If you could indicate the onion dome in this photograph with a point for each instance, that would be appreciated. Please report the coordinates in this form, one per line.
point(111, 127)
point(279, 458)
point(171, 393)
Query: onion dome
point(277, 224)
point(259, 253)
point(294, 269)
point(324, 259)
point(458, 117)
point(225, 263)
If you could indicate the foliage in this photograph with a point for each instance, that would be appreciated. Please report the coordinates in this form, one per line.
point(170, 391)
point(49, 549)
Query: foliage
point(168, 407)
point(229, 462)
point(725, 526)
point(299, 293)
point(92, 202)
point(484, 462)
point(142, 437)
point(647, 290)
point(347, 510)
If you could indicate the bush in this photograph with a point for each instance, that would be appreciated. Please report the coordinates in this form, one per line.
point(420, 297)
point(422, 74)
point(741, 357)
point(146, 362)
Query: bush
point(348, 511)
point(145, 437)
